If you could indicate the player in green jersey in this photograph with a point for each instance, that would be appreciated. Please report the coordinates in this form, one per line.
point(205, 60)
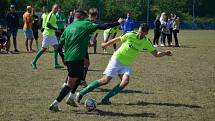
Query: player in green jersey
point(49, 38)
point(132, 44)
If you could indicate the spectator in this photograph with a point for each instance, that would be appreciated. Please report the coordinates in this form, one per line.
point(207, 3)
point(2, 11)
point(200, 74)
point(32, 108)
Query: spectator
point(35, 23)
point(176, 23)
point(128, 25)
point(4, 39)
point(71, 17)
point(12, 21)
point(166, 30)
point(157, 31)
point(27, 29)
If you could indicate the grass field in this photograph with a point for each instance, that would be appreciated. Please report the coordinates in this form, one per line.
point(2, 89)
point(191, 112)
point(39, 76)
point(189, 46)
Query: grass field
point(177, 88)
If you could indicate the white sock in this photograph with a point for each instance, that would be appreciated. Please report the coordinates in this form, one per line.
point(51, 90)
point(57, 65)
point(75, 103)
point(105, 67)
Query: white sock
point(55, 102)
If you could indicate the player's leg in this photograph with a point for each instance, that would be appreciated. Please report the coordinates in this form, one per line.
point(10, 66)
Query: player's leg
point(14, 34)
point(95, 46)
point(95, 84)
point(45, 44)
point(86, 66)
point(106, 37)
point(54, 43)
point(75, 71)
point(175, 32)
point(118, 88)
point(110, 71)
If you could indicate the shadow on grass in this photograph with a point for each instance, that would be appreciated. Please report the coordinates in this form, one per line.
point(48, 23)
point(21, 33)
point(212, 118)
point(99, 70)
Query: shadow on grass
point(141, 103)
point(95, 70)
point(185, 46)
point(117, 114)
point(102, 53)
point(124, 91)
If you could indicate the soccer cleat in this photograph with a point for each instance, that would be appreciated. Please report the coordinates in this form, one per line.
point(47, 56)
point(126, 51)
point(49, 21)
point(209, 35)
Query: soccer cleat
point(78, 97)
point(34, 65)
point(105, 101)
point(71, 102)
point(54, 108)
point(58, 66)
point(16, 50)
point(162, 45)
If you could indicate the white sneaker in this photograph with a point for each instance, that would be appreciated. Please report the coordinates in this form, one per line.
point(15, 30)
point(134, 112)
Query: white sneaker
point(162, 45)
point(54, 108)
point(155, 45)
point(71, 100)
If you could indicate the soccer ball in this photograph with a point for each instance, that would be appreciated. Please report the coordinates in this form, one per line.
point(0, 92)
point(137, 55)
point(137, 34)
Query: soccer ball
point(90, 104)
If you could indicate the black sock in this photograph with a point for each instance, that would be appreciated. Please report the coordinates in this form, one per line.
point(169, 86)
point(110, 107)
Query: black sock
point(76, 86)
point(64, 91)
point(85, 73)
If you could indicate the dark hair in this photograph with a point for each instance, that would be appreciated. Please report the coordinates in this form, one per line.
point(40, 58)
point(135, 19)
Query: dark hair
point(79, 13)
point(144, 27)
point(93, 11)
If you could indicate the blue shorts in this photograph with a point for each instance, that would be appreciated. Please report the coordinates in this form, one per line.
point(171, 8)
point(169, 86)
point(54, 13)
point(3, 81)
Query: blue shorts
point(12, 31)
point(28, 33)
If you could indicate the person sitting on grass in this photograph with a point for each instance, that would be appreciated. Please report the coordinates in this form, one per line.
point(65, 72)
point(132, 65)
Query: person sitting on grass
point(4, 39)
point(119, 64)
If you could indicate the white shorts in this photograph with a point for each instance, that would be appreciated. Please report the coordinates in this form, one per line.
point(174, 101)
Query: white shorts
point(108, 37)
point(49, 40)
point(114, 67)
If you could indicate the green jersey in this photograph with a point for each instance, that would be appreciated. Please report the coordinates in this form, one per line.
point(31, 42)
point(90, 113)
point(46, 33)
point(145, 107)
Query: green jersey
point(51, 18)
point(111, 30)
point(75, 39)
point(131, 46)
point(44, 17)
point(61, 20)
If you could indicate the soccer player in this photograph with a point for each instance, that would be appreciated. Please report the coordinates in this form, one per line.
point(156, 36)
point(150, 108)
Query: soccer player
point(12, 20)
point(27, 29)
point(61, 21)
point(4, 39)
point(132, 44)
point(110, 34)
point(49, 38)
point(75, 40)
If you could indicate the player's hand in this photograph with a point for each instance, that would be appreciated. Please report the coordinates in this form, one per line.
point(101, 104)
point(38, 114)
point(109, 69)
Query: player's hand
point(121, 20)
point(104, 45)
point(168, 53)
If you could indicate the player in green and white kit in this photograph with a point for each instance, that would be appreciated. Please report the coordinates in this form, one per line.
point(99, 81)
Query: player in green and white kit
point(49, 38)
point(110, 34)
point(132, 44)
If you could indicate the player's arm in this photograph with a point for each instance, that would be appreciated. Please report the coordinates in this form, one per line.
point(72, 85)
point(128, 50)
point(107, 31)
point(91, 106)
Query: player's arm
point(110, 25)
point(156, 53)
point(111, 42)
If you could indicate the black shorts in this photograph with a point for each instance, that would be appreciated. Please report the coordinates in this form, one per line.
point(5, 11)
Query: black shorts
point(87, 56)
point(75, 68)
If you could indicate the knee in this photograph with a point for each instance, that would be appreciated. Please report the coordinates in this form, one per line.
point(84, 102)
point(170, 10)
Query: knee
point(104, 81)
point(124, 83)
point(43, 49)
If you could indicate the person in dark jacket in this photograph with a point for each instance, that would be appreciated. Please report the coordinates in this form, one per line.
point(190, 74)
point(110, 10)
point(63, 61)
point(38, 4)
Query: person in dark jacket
point(12, 20)
point(157, 31)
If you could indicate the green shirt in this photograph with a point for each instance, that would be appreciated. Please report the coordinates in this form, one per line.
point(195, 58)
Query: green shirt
point(61, 20)
point(75, 39)
point(131, 46)
point(111, 30)
point(51, 18)
point(44, 17)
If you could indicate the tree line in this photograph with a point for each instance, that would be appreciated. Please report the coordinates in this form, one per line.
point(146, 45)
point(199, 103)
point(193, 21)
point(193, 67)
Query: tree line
point(113, 9)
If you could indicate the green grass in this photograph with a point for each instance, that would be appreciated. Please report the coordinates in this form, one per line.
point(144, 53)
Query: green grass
point(177, 88)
